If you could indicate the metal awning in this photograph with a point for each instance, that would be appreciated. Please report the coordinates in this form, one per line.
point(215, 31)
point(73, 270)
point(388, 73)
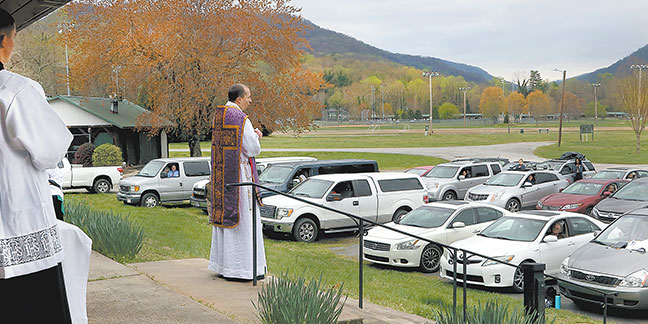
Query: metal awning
point(26, 12)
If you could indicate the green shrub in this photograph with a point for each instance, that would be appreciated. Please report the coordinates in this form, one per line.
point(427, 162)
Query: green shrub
point(113, 235)
point(292, 301)
point(83, 154)
point(107, 155)
point(491, 313)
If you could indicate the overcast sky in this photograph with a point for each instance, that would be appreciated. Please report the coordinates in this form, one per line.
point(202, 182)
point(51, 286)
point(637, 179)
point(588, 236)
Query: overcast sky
point(500, 36)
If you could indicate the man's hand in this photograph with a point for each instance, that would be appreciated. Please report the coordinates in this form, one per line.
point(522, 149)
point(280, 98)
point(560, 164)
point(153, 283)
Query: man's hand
point(258, 132)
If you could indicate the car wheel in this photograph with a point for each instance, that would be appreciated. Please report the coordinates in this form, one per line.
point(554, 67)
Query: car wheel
point(150, 200)
point(101, 186)
point(518, 280)
point(399, 214)
point(450, 195)
point(589, 210)
point(430, 259)
point(513, 205)
point(305, 230)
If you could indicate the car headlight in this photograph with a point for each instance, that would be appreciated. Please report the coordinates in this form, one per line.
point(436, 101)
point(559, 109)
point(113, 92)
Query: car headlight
point(564, 268)
point(409, 245)
point(571, 206)
point(134, 188)
point(637, 279)
point(497, 196)
point(505, 258)
point(283, 212)
point(432, 185)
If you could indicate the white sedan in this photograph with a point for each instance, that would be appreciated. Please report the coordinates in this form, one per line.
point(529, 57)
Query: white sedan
point(443, 222)
point(532, 236)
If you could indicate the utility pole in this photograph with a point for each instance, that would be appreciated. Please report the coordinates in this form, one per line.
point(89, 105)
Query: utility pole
point(595, 85)
point(430, 75)
point(373, 102)
point(382, 100)
point(562, 105)
point(464, 90)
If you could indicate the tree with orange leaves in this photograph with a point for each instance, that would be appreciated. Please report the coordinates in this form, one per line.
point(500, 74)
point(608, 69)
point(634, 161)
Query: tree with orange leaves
point(574, 105)
point(516, 104)
point(491, 102)
point(538, 104)
point(179, 57)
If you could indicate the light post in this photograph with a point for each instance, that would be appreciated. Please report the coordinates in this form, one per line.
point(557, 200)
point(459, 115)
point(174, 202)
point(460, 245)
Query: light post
point(430, 75)
point(373, 102)
point(464, 90)
point(640, 67)
point(562, 104)
point(382, 100)
point(595, 85)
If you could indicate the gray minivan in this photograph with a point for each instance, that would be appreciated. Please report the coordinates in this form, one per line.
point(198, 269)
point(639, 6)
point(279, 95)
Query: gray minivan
point(168, 180)
point(283, 176)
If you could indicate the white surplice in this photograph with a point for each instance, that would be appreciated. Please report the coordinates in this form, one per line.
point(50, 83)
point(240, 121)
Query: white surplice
point(33, 138)
point(231, 248)
point(76, 267)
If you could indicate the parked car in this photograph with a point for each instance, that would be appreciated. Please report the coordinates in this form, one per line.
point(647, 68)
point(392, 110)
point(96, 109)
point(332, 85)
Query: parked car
point(613, 263)
point(284, 176)
point(95, 179)
point(449, 181)
point(198, 192)
point(502, 161)
point(153, 185)
point(515, 190)
point(581, 196)
point(632, 195)
point(420, 171)
point(378, 196)
point(522, 237)
point(567, 167)
point(443, 222)
point(621, 173)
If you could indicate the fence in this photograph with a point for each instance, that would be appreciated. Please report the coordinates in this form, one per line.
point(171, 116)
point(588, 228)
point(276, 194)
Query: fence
point(534, 276)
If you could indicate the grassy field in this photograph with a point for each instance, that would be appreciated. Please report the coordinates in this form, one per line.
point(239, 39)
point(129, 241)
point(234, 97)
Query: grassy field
point(610, 122)
point(183, 232)
point(608, 147)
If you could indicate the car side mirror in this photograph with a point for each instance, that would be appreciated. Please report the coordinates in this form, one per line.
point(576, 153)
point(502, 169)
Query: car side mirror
point(550, 239)
point(458, 225)
point(334, 197)
point(461, 177)
point(596, 233)
point(527, 184)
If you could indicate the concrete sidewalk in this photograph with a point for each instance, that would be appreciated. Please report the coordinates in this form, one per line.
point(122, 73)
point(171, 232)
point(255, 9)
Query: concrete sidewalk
point(184, 291)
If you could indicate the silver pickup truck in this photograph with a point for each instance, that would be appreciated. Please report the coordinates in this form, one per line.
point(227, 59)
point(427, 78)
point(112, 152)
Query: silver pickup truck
point(163, 181)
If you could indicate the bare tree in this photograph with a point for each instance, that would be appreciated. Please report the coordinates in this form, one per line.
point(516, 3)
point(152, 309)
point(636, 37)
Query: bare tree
point(634, 99)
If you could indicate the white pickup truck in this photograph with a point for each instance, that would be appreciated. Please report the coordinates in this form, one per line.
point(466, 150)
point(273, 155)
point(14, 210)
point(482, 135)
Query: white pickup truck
point(378, 196)
point(94, 179)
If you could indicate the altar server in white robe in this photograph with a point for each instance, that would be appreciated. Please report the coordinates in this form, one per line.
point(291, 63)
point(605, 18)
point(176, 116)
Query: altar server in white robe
point(33, 139)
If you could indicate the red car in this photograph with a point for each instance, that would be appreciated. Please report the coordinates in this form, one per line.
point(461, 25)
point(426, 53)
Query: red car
point(581, 196)
point(420, 171)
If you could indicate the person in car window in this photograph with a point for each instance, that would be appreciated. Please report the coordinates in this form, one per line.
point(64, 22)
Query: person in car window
point(630, 176)
point(465, 173)
point(557, 230)
point(531, 179)
point(173, 173)
point(611, 188)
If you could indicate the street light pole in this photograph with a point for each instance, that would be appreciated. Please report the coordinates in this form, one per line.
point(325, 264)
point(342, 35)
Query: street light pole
point(562, 105)
point(373, 102)
point(640, 67)
point(595, 85)
point(430, 75)
point(382, 100)
point(464, 89)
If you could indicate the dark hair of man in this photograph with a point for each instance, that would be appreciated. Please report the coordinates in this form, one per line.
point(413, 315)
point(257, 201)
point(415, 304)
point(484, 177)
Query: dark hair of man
point(7, 24)
point(237, 90)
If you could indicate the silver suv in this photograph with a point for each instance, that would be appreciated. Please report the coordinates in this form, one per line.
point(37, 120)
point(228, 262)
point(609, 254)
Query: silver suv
point(164, 181)
point(515, 190)
point(449, 181)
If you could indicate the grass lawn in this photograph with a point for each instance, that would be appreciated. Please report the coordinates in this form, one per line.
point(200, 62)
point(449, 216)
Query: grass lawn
point(183, 232)
point(608, 147)
point(610, 122)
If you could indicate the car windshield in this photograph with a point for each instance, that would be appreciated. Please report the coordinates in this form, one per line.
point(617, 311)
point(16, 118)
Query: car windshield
point(633, 191)
point(426, 216)
point(550, 165)
point(583, 188)
point(151, 169)
point(312, 188)
point(276, 174)
point(442, 172)
point(515, 229)
point(628, 231)
point(607, 174)
point(505, 179)
point(417, 171)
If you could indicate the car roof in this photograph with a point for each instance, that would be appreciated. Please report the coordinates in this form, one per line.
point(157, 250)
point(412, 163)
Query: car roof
point(601, 181)
point(457, 204)
point(617, 169)
point(389, 175)
point(543, 214)
point(183, 159)
point(373, 175)
point(327, 162)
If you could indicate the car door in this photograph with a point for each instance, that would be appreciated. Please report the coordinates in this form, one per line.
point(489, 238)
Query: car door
point(348, 203)
point(367, 202)
point(553, 253)
point(193, 171)
point(530, 195)
point(548, 184)
point(486, 216)
point(468, 216)
point(581, 230)
point(480, 175)
point(569, 171)
point(170, 187)
point(464, 184)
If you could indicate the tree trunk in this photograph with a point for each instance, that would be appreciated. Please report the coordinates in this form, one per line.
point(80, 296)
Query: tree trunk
point(638, 140)
point(194, 147)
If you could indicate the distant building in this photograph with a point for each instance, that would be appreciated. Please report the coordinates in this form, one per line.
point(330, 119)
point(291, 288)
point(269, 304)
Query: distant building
point(114, 121)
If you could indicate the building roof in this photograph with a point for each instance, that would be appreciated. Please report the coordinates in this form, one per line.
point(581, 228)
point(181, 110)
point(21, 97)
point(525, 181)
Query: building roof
point(26, 12)
point(126, 117)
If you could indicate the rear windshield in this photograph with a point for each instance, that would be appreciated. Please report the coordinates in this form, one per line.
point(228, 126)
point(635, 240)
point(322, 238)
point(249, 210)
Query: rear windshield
point(442, 172)
point(399, 184)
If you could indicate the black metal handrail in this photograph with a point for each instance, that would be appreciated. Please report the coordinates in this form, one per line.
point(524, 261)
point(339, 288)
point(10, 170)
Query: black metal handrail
point(453, 251)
